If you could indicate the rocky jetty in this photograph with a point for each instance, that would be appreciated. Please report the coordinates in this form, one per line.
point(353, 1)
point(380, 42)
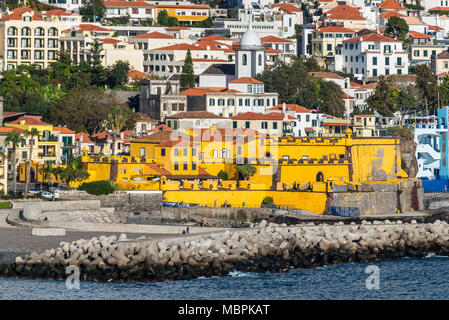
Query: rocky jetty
point(263, 248)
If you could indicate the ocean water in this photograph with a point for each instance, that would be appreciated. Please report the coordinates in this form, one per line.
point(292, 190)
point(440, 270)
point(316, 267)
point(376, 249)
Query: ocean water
point(426, 278)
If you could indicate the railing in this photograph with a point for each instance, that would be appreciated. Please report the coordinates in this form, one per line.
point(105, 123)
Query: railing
point(45, 155)
point(51, 138)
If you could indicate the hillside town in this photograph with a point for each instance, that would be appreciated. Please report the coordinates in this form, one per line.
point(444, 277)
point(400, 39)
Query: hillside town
point(112, 83)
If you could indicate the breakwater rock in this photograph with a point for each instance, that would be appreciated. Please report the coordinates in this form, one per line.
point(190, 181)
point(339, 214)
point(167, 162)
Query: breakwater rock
point(263, 248)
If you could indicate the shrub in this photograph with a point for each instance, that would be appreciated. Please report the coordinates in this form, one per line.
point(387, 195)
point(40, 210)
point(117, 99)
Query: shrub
point(222, 175)
point(6, 204)
point(268, 200)
point(99, 187)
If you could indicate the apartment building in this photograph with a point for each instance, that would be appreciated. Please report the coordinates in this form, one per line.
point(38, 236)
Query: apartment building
point(440, 64)
point(136, 10)
point(29, 37)
point(326, 39)
point(423, 48)
point(276, 124)
point(185, 13)
point(373, 55)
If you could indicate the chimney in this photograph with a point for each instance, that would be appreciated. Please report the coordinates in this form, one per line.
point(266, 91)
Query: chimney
point(284, 107)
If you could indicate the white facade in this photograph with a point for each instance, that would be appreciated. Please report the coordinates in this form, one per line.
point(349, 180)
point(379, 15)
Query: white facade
point(136, 10)
point(427, 150)
point(373, 55)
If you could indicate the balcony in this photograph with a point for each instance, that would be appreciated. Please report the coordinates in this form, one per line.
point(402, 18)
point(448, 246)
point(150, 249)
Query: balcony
point(51, 138)
point(45, 155)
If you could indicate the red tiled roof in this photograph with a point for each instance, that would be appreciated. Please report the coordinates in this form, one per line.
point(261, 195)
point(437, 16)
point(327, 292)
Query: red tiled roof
point(345, 16)
point(59, 12)
point(177, 28)
point(153, 35)
point(86, 137)
point(389, 14)
point(207, 60)
point(101, 135)
point(159, 170)
point(344, 9)
point(142, 116)
point(110, 40)
point(269, 39)
point(374, 37)
point(63, 130)
point(437, 28)
point(137, 75)
point(92, 27)
point(215, 38)
point(271, 50)
point(291, 107)
point(334, 29)
point(30, 120)
point(126, 4)
point(260, 116)
point(418, 35)
point(439, 9)
point(181, 46)
point(246, 80)
point(347, 96)
point(10, 129)
point(201, 91)
point(391, 4)
point(182, 6)
point(16, 14)
point(287, 7)
point(162, 127)
point(325, 75)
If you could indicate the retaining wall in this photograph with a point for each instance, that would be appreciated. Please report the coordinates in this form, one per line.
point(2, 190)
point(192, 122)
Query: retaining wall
point(126, 203)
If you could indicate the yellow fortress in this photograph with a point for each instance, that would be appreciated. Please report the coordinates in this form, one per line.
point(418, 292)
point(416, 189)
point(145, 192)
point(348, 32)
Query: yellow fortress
point(298, 173)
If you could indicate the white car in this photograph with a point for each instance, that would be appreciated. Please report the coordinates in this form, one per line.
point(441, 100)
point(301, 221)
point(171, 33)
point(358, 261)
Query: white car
point(47, 195)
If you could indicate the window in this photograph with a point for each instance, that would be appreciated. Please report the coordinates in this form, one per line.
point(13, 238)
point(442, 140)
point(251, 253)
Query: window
point(247, 124)
point(425, 53)
point(193, 152)
point(374, 72)
point(387, 61)
point(212, 102)
point(374, 61)
point(244, 59)
point(275, 125)
point(163, 152)
point(193, 165)
point(416, 53)
point(176, 152)
point(260, 60)
point(184, 152)
point(265, 125)
point(234, 124)
point(329, 47)
point(185, 166)
point(176, 165)
point(142, 152)
point(399, 61)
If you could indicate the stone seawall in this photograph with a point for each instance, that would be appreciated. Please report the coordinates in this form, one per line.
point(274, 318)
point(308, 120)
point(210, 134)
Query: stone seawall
point(136, 204)
point(265, 248)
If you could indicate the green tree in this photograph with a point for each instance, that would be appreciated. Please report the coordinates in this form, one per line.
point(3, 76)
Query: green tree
point(117, 74)
point(384, 99)
point(98, 72)
point(116, 122)
point(427, 86)
point(397, 28)
point(73, 171)
point(246, 170)
point(187, 75)
point(162, 18)
point(222, 175)
point(444, 91)
point(47, 170)
point(14, 140)
point(172, 22)
point(32, 134)
point(93, 10)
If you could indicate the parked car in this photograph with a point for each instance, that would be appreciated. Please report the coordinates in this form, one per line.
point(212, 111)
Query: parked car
point(33, 192)
point(47, 195)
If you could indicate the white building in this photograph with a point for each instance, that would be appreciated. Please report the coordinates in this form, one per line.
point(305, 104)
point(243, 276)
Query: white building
point(250, 56)
point(428, 152)
point(373, 55)
point(304, 118)
point(136, 10)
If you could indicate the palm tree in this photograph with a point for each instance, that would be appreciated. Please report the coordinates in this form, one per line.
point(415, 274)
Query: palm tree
point(33, 133)
point(13, 140)
point(47, 170)
point(116, 121)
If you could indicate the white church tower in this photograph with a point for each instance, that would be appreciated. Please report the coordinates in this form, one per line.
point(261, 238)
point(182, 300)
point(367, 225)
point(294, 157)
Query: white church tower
point(250, 57)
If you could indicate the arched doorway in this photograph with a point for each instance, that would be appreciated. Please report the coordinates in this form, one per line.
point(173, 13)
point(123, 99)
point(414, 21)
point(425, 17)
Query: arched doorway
point(320, 177)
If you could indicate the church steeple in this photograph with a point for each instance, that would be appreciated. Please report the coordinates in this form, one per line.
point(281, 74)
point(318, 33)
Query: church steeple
point(250, 56)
